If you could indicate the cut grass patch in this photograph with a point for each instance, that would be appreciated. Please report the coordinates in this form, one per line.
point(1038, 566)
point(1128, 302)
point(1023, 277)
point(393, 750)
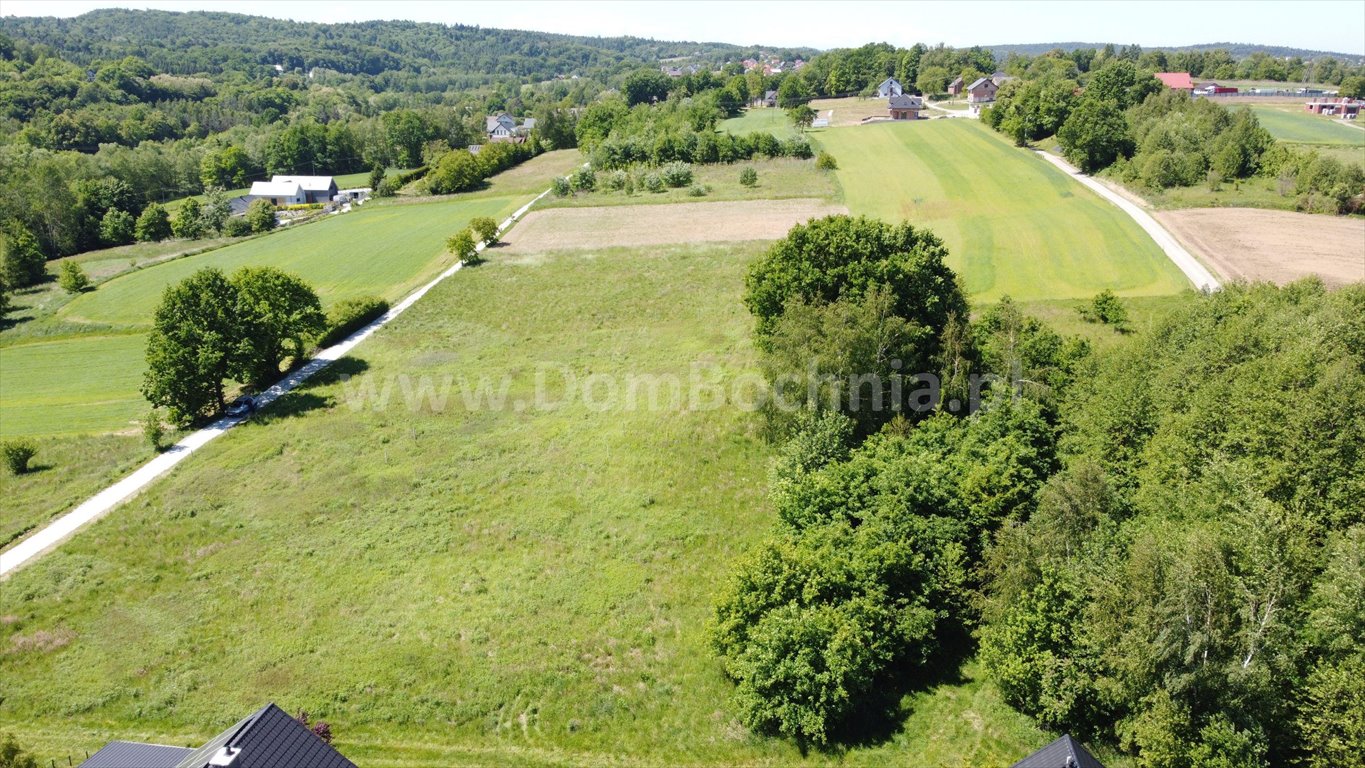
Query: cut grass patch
point(1013, 224)
point(1300, 127)
point(780, 178)
point(760, 120)
point(85, 384)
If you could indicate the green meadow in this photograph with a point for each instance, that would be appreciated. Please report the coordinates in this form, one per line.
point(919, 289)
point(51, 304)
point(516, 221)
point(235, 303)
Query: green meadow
point(1296, 126)
point(1013, 224)
point(451, 583)
point(760, 120)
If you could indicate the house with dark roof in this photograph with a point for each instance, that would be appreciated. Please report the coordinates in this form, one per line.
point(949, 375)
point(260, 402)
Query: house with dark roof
point(266, 738)
point(956, 86)
point(770, 99)
point(1065, 752)
point(889, 87)
point(904, 107)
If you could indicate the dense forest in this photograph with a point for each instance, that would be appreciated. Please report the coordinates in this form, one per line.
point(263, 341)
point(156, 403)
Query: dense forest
point(1157, 546)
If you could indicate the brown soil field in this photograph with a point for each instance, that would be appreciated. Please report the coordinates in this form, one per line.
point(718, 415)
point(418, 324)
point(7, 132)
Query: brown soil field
point(637, 225)
point(1276, 246)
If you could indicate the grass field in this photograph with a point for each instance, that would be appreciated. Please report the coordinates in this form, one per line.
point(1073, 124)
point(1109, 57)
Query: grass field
point(779, 178)
point(456, 585)
point(381, 250)
point(1296, 126)
point(761, 120)
point(1013, 224)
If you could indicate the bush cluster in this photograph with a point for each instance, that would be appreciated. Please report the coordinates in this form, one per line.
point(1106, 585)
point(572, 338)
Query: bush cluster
point(348, 316)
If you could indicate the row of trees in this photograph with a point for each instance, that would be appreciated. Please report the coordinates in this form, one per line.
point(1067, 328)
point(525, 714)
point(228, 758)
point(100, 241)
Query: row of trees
point(1158, 546)
point(210, 329)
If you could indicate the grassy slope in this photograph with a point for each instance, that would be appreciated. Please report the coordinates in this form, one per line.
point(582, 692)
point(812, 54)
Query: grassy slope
point(1299, 127)
point(454, 586)
point(1013, 224)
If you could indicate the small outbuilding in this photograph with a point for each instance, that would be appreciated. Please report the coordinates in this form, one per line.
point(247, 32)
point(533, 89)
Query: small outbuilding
point(956, 87)
point(1179, 81)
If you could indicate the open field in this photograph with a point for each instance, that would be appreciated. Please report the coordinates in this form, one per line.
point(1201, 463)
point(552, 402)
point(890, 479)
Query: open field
point(619, 226)
point(761, 120)
point(1013, 224)
point(405, 561)
point(849, 111)
point(779, 178)
point(1294, 125)
point(380, 250)
point(1277, 246)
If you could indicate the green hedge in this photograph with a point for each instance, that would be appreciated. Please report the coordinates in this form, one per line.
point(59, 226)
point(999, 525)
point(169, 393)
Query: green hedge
point(349, 316)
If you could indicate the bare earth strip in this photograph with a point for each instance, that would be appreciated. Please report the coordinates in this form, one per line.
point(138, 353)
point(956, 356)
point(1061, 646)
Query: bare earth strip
point(1277, 246)
point(636, 225)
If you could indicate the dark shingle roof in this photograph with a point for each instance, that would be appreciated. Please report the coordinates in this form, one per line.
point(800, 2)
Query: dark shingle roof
point(1065, 752)
point(905, 102)
point(269, 738)
point(130, 754)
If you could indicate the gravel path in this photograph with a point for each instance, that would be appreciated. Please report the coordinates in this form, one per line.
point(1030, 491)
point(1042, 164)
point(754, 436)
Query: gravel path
point(103, 502)
point(1197, 273)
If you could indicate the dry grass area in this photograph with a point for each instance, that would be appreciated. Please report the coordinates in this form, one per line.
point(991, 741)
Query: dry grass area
point(642, 225)
point(1277, 246)
point(850, 111)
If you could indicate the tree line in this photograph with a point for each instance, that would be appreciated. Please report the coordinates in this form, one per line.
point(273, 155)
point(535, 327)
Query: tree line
point(1158, 547)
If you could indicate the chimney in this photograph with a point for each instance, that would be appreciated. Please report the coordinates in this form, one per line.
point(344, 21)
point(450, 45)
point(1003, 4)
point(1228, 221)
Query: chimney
point(225, 757)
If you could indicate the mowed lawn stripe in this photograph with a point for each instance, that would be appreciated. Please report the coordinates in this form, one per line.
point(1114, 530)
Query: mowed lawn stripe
point(384, 250)
point(73, 386)
point(1306, 128)
point(1013, 224)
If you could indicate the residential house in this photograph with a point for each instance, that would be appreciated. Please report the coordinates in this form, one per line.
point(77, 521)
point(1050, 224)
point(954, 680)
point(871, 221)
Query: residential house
point(266, 738)
point(1000, 78)
point(956, 86)
point(982, 91)
point(316, 189)
point(500, 127)
point(1065, 752)
point(770, 99)
point(889, 87)
point(905, 107)
point(278, 192)
point(1179, 81)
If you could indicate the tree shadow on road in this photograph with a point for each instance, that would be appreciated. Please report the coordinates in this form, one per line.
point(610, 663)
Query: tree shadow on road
point(305, 399)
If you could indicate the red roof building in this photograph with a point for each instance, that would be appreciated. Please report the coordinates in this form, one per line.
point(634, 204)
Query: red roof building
point(1178, 80)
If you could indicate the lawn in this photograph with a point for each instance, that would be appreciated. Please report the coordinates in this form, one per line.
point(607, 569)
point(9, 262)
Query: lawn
point(1013, 224)
point(780, 178)
point(454, 584)
point(1296, 126)
point(761, 120)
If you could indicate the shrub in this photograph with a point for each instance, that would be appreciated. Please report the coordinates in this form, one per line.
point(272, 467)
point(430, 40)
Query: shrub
point(154, 430)
point(653, 183)
point(388, 187)
point(748, 177)
point(18, 453)
point(561, 187)
point(798, 147)
point(349, 316)
point(826, 162)
point(617, 180)
point(260, 215)
point(22, 262)
point(462, 245)
point(676, 174)
point(14, 756)
point(236, 226)
point(72, 278)
point(1106, 308)
point(485, 228)
point(584, 180)
point(698, 190)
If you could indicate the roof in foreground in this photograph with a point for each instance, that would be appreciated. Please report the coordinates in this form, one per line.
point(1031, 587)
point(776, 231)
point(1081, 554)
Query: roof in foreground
point(266, 738)
point(311, 183)
point(275, 188)
point(126, 754)
point(1065, 752)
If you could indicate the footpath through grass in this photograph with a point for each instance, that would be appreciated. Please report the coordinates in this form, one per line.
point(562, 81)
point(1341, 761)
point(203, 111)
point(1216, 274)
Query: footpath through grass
point(1013, 224)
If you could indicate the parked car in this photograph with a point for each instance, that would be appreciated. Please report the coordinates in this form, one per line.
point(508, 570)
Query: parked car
point(242, 406)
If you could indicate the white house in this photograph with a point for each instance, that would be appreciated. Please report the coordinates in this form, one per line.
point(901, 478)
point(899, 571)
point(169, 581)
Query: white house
point(889, 87)
point(278, 192)
point(501, 126)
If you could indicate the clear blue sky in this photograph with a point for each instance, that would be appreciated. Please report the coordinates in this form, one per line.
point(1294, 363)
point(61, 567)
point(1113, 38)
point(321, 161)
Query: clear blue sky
point(1336, 25)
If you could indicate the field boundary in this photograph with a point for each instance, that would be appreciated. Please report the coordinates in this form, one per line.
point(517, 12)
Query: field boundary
point(1194, 270)
point(97, 506)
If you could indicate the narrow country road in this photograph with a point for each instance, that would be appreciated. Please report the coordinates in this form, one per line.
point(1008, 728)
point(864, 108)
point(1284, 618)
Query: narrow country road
point(101, 503)
point(1197, 273)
